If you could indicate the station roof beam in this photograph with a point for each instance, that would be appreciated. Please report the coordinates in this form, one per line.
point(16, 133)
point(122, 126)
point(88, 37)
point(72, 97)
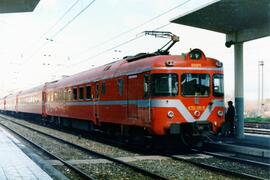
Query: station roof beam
point(13, 6)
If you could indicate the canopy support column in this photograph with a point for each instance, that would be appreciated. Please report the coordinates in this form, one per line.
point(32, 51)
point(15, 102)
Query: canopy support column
point(239, 90)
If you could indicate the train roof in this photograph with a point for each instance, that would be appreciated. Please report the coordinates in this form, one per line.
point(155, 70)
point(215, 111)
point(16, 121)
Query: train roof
point(32, 90)
point(132, 65)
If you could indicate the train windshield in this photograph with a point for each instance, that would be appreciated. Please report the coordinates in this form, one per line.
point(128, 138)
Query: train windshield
point(164, 84)
point(218, 89)
point(195, 84)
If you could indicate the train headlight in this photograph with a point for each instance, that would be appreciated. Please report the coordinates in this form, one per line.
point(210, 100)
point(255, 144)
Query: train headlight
point(219, 64)
point(197, 113)
point(170, 114)
point(220, 113)
point(169, 63)
point(195, 54)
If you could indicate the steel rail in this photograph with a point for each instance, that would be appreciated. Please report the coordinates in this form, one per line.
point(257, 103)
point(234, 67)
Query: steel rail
point(78, 171)
point(216, 169)
point(257, 131)
point(110, 158)
point(237, 159)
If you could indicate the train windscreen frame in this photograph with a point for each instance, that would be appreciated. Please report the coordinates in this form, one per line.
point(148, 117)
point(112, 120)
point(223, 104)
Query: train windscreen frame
point(164, 84)
point(194, 84)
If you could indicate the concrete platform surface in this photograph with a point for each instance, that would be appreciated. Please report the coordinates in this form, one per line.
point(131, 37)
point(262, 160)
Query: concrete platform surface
point(14, 163)
point(250, 140)
point(252, 144)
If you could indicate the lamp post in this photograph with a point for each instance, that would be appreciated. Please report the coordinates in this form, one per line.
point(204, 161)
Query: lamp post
point(260, 87)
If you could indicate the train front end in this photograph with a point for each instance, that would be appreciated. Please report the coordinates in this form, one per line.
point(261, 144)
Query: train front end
point(187, 95)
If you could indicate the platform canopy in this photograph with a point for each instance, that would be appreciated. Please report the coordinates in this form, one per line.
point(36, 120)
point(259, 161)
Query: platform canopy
point(250, 19)
point(13, 6)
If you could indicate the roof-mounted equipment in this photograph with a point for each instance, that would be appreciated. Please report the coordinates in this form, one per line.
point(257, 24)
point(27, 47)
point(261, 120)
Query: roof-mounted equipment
point(164, 50)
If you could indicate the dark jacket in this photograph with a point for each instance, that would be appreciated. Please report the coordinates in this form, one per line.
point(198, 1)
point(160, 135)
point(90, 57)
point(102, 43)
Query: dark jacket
point(230, 114)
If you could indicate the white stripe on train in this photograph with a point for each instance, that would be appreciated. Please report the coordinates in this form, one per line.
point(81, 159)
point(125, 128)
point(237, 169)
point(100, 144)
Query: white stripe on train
point(155, 103)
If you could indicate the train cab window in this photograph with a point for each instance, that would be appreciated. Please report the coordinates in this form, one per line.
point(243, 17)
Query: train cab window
point(81, 93)
point(120, 86)
point(88, 92)
point(218, 88)
point(164, 84)
point(195, 84)
point(103, 88)
point(75, 96)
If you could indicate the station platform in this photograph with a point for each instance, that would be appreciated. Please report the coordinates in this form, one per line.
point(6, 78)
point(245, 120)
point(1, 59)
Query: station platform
point(256, 140)
point(251, 140)
point(14, 163)
point(252, 144)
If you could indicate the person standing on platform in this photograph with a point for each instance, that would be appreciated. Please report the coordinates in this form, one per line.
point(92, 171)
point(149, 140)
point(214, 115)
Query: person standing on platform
point(229, 117)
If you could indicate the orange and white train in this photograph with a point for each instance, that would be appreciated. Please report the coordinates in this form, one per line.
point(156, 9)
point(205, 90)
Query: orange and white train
point(155, 94)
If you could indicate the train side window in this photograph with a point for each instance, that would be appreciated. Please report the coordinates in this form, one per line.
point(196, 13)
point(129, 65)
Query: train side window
point(69, 94)
point(55, 96)
point(88, 92)
point(61, 94)
point(81, 93)
point(97, 95)
point(120, 86)
point(75, 93)
point(103, 88)
point(51, 94)
point(146, 86)
point(65, 94)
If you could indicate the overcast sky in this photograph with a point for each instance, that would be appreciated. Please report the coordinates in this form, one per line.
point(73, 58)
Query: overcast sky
point(44, 45)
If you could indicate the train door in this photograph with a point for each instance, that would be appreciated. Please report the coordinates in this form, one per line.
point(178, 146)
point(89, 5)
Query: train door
point(132, 93)
point(96, 101)
point(146, 112)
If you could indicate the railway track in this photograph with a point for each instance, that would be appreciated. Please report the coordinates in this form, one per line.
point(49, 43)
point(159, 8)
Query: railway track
point(84, 175)
point(212, 164)
point(234, 157)
point(76, 170)
point(257, 131)
point(207, 166)
point(260, 125)
point(217, 168)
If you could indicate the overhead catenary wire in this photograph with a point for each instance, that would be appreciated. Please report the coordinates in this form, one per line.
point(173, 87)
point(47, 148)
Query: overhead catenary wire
point(114, 47)
point(60, 19)
point(70, 21)
point(134, 28)
point(65, 25)
point(125, 32)
point(52, 26)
